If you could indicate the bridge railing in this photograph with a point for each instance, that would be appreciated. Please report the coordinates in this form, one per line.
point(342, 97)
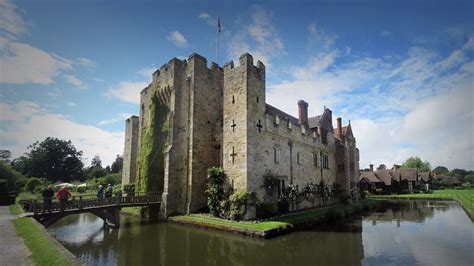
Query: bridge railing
point(79, 203)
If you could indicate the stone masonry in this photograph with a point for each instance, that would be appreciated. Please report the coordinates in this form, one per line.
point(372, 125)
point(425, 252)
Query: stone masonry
point(219, 117)
point(130, 150)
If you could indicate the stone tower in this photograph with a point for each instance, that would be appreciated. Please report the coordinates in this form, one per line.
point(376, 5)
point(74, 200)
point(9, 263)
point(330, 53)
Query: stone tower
point(180, 133)
point(130, 150)
point(244, 116)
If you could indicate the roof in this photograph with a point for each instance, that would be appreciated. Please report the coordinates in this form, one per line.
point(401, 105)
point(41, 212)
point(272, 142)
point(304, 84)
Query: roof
point(426, 176)
point(387, 176)
point(277, 112)
point(313, 121)
point(408, 174)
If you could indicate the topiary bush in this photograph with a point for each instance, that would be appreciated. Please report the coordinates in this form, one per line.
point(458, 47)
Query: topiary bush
point(238, 205)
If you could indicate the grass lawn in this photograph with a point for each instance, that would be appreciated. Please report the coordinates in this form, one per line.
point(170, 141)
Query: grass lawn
point(43, 251)
point(464, 196)
point(132, 210)
point(283, 221)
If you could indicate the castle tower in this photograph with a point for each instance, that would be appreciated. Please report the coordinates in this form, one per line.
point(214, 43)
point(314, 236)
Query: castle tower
point(130, 150)
point(180, 133)
point(244, 121)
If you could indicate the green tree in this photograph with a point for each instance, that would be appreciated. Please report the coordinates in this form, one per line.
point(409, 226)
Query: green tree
point(416, 162)
point(53, 159)
point(11, 176)
point(117, 165)
point(441, 170)
point(96, 162)
point(382, 166)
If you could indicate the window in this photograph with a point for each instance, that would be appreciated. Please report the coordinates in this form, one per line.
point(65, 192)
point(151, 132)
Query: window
point(233, 99)
point(298, 158)
point(315, 159)
point(276, 155)
point(257, 99)
point(325, 161)
point(340, 167)
point(324, 136)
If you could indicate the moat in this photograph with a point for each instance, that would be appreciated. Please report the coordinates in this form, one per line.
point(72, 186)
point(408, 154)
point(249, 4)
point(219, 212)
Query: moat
point(415, 233)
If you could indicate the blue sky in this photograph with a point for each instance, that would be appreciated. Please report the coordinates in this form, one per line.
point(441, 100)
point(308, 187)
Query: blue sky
point(401, 71)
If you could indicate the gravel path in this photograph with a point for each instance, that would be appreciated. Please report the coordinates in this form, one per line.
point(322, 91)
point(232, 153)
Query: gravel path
point(13, 250)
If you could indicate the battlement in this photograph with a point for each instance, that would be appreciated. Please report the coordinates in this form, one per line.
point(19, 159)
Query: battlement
point(245, 60)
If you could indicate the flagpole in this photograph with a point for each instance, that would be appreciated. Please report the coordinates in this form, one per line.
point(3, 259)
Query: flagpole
point(218, 30)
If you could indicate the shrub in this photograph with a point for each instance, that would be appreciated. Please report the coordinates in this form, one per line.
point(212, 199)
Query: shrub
point(238, 205)
point(81, 189)
point(215, 190)
point(129, 189)
point(32, 183)
point(114, 179)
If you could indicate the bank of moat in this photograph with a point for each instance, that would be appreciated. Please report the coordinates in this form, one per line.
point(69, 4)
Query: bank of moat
point(193, 117)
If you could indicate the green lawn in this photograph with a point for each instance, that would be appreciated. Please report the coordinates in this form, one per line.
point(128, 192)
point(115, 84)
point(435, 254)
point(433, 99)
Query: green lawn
point(43, 251)
point(464, 196)
point(280, 222)
point(15, 209)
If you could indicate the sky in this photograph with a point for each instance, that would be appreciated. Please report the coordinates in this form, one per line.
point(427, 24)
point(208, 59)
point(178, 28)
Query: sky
point(400, 71)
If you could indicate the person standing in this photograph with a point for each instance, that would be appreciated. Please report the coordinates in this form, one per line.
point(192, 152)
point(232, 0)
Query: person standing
point(63, 196)
point(108, 191)
point(48, 194)
point(100, 192)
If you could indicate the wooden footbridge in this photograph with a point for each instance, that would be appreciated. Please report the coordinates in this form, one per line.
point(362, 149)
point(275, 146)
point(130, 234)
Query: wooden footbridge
point(106, 208)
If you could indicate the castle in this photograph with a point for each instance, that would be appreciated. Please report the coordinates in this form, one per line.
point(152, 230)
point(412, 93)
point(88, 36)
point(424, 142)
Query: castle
point(193, 117)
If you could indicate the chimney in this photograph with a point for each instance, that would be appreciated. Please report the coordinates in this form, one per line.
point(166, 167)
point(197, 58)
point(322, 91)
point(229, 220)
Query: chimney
point(371, 167)
point(339, 128)
point(302, 112)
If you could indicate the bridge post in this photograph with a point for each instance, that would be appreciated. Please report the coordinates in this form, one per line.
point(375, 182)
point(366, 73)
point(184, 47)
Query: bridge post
point(81, 204)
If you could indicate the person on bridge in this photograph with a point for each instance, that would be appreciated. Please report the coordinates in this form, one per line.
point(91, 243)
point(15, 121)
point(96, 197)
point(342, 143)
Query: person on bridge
point(109, 191)
point(63, 196)
point(100, 192)
point(48, 195)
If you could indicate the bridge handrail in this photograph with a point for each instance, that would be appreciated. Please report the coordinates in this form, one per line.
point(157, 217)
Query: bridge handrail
point(38, 207)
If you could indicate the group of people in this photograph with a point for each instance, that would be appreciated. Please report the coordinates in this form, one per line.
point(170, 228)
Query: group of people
point(63, 196)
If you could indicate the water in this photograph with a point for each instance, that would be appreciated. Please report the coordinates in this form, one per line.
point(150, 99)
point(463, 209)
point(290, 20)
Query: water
point(416, 233)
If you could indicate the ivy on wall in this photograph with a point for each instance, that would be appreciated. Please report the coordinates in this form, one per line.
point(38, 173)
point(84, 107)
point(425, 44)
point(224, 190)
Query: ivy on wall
point(153, 143)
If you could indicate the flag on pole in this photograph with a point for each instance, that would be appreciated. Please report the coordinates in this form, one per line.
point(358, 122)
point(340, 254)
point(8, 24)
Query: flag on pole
point(218, 24)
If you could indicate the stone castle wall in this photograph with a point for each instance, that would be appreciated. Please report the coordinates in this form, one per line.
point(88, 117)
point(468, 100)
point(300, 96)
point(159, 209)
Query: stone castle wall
point(129, 171)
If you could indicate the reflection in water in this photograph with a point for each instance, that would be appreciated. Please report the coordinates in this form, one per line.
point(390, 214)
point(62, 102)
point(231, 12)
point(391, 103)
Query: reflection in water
point(405, 234)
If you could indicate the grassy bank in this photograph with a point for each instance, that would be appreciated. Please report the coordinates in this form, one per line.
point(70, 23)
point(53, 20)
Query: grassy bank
point(281, 223)
point(15, 209)
point(465, 197)
point(43, 251)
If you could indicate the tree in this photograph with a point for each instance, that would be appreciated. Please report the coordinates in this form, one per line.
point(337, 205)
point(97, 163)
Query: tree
point(53, 159)
point(460, 173)
point(416, 162)
point(117, 165)
point(96, 162)
point(10, 176)
point(382, 166)
point(5, 155)
point(441, 170)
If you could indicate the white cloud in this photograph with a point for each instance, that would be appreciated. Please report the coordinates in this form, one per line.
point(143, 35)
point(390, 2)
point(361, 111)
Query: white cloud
point(177, 39)
point(23, 63)
point(83, 61)
point(318, 36)
point(120, 117)
point(211, 21)
point(74, 81)
point(10, 21)
point(27, 123)
point(260, 38)
point(71, 104)
point(128, 91)
point(418, 104)
point(147, 72)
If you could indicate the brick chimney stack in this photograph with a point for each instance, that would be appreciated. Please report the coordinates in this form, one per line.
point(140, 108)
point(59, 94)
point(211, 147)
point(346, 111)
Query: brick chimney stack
point(303, 112)
point(371, 167)
point(339, 128)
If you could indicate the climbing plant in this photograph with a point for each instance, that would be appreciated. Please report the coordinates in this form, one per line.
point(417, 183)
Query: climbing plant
point(152, 146)
point(270, 183)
